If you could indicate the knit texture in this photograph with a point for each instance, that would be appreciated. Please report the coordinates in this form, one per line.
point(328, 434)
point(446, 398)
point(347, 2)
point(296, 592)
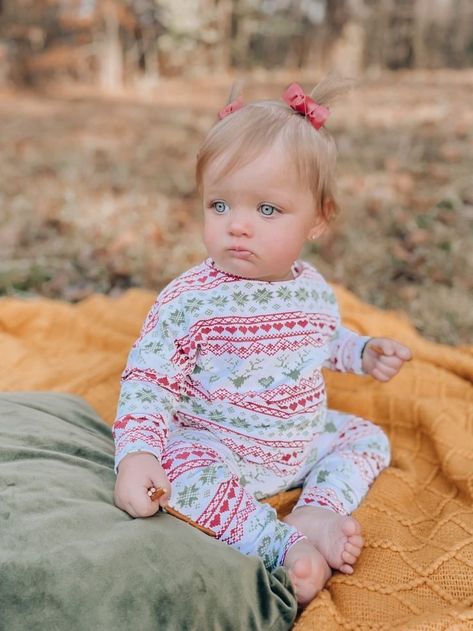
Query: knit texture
point(416, 569)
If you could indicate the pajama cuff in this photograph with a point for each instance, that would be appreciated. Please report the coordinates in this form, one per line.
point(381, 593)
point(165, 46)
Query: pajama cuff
point(145, 449)
point(361, 342)
point(292, 539)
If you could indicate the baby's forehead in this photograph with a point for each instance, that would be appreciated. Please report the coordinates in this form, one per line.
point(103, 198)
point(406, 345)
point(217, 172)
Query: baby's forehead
point(234, 159)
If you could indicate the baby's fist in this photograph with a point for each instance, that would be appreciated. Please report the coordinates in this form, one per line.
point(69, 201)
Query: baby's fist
point(137, 473)
point(384, 357)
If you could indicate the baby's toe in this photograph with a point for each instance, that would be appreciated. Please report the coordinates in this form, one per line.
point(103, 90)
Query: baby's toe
point(347, 557)
point(351, 549)
point(351, 527)
point(356, 541)
point(346, 569)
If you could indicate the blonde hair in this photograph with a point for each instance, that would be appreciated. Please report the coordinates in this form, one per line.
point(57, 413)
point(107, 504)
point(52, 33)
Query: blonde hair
point(241, 136)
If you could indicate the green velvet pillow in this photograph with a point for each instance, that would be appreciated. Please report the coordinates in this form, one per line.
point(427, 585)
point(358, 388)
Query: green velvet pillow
point(70, 560)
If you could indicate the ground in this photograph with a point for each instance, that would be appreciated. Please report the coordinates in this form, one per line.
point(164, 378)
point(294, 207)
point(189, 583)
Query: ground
point(97, 193)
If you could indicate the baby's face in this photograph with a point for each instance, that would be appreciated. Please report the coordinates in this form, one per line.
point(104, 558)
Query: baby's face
point(257, 218)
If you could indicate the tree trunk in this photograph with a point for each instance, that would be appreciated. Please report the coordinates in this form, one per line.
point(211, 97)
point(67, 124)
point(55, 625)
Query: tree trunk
point(111, 54)
point(224, 24)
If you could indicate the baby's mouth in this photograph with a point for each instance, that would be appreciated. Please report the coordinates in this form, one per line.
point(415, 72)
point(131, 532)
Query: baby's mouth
point(240, 253)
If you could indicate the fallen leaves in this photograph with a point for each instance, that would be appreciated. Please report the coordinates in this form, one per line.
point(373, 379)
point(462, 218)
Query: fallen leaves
point(98, 194)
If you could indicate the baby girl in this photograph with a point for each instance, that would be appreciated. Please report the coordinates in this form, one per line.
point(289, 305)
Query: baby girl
point(223, 401)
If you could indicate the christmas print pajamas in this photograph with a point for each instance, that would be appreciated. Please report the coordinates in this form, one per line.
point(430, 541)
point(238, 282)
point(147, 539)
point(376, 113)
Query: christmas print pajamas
point(224, 386)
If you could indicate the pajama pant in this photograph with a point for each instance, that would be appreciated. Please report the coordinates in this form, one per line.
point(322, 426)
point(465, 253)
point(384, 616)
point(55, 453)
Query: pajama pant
point(220, 491)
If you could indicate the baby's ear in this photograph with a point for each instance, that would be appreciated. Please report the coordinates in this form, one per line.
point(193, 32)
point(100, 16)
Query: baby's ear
point(318, 228)
point(328, 209)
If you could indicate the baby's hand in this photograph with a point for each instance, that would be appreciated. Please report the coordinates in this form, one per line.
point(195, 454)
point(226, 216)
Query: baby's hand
point(383, 358)
point(138, 472)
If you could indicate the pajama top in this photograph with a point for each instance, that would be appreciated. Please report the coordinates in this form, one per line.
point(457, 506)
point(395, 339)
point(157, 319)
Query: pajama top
point(238, 359)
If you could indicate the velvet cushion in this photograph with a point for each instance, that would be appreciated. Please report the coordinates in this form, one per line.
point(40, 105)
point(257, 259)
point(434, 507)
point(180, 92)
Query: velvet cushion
point(70, 560)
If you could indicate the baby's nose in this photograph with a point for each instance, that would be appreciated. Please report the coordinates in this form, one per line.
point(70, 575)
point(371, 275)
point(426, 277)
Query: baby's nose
point(240, 226)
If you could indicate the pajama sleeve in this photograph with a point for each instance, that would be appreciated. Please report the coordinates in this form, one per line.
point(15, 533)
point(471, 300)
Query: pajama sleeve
point(345, 350)
point(152, 381)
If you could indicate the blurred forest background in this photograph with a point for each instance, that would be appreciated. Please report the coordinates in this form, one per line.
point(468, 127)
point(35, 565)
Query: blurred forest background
point(103, 104)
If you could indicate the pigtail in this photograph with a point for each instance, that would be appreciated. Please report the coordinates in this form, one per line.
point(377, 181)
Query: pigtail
point(330, 89)
point(234, 103)
point(236, 91)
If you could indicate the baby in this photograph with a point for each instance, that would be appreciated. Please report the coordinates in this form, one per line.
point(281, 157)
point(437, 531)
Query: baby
point(223, 400)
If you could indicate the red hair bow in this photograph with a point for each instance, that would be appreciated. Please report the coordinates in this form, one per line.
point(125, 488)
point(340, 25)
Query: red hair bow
point(231, 107)
point(300, 102)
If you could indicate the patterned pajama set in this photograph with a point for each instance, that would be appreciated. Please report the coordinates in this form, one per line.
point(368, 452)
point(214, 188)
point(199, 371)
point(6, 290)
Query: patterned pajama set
point(224, 386)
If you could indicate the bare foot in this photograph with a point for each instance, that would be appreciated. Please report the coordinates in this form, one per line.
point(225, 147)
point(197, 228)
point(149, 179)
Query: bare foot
point(307, 569)
point(337, 537)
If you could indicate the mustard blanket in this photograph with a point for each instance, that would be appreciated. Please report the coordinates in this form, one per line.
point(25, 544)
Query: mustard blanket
point(416, 571)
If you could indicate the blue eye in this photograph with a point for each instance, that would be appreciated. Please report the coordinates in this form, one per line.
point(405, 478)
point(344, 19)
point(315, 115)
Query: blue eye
point(268, 210)
point(220, 207)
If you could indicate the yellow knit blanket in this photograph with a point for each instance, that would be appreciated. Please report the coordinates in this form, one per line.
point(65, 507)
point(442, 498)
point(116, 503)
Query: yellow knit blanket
point(416, 571)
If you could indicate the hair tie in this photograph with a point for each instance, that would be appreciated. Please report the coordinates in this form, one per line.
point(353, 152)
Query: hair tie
point(231, 107)
point(305, 105)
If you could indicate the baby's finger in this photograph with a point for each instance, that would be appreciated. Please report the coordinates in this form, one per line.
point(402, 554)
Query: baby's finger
point(380, 374)
point(390, 361)
point(381, 346)
point(129, 509)
point(140, 506)
point(403, 352)
point(388, 367)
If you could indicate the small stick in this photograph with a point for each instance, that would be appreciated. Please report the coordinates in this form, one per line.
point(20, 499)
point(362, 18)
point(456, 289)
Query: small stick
point(155, 494)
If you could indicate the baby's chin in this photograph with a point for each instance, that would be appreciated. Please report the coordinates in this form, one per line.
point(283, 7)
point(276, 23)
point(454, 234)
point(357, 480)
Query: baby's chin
point(247, 268)
point(241, 268)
